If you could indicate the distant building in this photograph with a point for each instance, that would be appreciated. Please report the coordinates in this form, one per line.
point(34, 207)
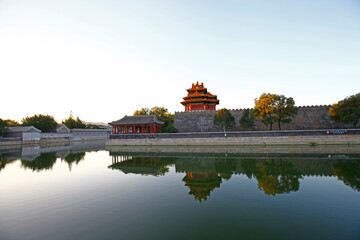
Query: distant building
point(137, 124)
point(25, 133)
point(62, 129)
point(199, 98)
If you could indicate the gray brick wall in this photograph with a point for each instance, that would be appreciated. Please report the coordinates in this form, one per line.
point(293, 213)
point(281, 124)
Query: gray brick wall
point(308, 117)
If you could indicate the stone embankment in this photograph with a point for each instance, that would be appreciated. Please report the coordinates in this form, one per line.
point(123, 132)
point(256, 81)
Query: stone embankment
point(291, 137)
point(53, 137)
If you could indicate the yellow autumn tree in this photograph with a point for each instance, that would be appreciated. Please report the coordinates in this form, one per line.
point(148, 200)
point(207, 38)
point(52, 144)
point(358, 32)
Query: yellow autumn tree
point(264, 108)
point(272, 108)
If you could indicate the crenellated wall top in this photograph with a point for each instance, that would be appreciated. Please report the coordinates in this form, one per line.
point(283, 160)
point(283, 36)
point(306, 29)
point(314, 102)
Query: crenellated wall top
point(242, 109)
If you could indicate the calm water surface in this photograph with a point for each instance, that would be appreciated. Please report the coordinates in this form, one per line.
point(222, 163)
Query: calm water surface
point(85, 191)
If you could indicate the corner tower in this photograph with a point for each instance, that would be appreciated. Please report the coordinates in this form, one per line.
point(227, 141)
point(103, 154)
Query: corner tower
point(199, 98)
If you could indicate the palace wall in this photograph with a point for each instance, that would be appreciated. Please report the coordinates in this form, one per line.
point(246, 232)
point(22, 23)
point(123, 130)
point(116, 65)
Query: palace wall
point(308, 118)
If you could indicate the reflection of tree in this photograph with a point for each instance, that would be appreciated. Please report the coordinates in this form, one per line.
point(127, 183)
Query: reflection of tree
point(278, 178)
point(140, 165)
point(3, 162)
point(349, 173)
point(225, 167)
point(249, 166)
point(201, 184)
point(43, 162)
point(74, 158)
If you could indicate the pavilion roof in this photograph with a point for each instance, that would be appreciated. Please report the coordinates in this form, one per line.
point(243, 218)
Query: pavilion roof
point(137, 120)
point(197, 87)
point(197, 94)
point(200, 100)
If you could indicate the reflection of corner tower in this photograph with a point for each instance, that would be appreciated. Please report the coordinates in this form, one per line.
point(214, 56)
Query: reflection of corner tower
point(199, 98)
point(201, 184)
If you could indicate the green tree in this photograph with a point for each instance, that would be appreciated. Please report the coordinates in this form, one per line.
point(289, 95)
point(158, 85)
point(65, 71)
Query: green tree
point(284, 110)
point(163, 115)
point(224, 120)
point(12, 123)
point(4, 124)
point(71, 122)
point(347, 110)
point(45, 123)
point(265, 108)
point(247, 120)
point(170, 128)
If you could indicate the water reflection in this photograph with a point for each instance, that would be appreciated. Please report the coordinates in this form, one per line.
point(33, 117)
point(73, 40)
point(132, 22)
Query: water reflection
point(275, 174)
point(204, 170)
point(349, 173)
point(139, 165)
point(74, 158)
point(39, 158)
point(44, 162)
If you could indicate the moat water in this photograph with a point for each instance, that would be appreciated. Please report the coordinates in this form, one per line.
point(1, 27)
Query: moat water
point(88, 191)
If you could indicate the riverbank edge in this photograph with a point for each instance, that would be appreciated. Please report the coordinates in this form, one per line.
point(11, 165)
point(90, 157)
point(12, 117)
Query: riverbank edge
point(6, 144)
point(241, 141)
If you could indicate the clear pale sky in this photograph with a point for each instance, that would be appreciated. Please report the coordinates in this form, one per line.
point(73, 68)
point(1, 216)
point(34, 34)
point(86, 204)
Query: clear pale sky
point(105, 59)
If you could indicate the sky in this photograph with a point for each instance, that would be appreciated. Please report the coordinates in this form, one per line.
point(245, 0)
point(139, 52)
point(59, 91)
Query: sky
point(105, 59)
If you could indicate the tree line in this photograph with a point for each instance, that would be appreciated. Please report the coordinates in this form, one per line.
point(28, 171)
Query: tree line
point(273, 108)
point(45, 123)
